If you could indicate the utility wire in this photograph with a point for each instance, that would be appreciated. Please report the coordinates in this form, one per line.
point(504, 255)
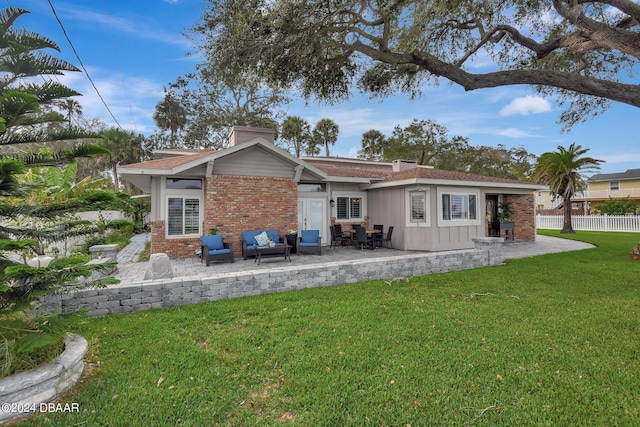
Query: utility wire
point(82, 65)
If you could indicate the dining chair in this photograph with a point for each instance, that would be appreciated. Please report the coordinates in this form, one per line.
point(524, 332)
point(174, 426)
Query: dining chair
point(377, 238)
point(361, 238)
point(335, 240)
point(386, 239)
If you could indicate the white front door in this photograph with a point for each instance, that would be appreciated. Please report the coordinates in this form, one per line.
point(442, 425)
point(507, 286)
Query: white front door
point(312, 215)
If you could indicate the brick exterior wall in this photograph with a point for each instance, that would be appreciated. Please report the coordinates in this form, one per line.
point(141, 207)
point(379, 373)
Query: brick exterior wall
point(237, 203)
point(233, 204)
point(174, 248)
point(525, 217)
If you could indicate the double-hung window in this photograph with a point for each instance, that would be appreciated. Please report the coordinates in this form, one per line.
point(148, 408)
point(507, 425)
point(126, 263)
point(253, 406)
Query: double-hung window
point(614, 185)
point(458, 207)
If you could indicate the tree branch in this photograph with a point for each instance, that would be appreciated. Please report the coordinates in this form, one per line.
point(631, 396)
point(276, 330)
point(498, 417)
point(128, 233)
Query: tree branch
point(621, 92)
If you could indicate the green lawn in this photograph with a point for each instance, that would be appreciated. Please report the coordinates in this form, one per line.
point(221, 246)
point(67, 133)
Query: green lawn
point(551, 340)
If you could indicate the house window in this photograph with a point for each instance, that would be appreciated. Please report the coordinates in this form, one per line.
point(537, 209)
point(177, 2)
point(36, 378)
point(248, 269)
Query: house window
point(614, 186)
point(183, 216)
point(349, 208)
point(418, 207)
point(184, 184)
point(459, 207)
point(310, 187)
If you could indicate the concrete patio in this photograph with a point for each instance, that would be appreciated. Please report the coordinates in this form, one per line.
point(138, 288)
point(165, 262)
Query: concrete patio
point(130, 271)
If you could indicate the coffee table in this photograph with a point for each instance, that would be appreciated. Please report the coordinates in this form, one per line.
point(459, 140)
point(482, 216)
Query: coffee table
point(273, 251)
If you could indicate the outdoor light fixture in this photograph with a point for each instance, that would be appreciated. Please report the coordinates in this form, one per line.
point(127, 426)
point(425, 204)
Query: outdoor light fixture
point(332, 203)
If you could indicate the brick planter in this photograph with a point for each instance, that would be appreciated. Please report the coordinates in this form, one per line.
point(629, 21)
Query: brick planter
point(26, 391)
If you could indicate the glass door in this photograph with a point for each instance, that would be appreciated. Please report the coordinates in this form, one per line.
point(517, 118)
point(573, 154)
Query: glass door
point(312, 215)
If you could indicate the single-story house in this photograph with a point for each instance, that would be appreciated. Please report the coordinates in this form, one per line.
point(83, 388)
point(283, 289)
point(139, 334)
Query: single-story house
point(253, 184)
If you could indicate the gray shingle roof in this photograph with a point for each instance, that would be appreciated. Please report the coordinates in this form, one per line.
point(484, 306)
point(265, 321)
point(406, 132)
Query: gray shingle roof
point(628, 174)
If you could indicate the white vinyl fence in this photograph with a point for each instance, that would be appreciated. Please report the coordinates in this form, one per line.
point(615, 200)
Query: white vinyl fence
point(622, 223)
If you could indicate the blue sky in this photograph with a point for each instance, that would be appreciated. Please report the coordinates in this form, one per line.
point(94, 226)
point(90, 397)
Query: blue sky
point(132, 49)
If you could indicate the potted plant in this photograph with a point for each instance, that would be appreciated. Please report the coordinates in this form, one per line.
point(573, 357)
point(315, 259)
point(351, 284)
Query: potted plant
point(213, 231)
point(505, 212)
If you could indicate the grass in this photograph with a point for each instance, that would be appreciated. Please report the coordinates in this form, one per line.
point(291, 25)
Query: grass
point(550, 340)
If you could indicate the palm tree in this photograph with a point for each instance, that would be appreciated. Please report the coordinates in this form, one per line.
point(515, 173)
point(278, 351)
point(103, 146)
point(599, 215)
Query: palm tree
point(325, 133)
point(296, 130)
point(71, 108)
point(561, 171)
point(372, 145)
point(170, 115)
point(124, 148)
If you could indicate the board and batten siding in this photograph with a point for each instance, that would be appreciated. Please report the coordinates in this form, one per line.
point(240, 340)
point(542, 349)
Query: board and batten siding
point(254, 162)
point(388, 207)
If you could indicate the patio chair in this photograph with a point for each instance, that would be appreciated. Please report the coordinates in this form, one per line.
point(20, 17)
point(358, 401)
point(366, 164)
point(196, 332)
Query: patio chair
point(377, 238)
point(214, 248)
point(310, 242)
point(335, 240)
point(386, 239)
point(362, 239)
point(345, 236)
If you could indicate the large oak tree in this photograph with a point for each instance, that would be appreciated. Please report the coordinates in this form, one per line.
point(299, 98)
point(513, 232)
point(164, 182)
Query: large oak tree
point(584, 51)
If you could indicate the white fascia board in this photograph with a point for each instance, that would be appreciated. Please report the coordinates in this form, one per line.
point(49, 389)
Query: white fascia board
point(191, 165)
point(481, 184)
point(348, 179)
point(143, 171)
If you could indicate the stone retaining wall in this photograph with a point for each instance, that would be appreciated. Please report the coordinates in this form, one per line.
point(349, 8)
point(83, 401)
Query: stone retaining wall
point(25, 392)
point(180, 291)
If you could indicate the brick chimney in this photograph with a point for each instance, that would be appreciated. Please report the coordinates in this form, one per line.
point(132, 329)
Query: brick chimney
point(240, 134)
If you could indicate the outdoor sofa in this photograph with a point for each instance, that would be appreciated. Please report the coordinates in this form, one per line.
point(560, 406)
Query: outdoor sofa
point(249, 241)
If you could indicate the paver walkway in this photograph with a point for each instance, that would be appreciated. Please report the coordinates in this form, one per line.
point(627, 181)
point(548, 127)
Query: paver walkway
point(130, 271)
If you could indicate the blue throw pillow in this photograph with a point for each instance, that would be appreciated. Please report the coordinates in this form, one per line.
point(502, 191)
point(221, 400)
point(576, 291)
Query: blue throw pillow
point(213, 242)
point(310, 236)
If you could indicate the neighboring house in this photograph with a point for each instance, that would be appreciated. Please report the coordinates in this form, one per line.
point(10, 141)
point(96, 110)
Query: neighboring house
point(605, 186)
point(253, 184)
point(600, 187)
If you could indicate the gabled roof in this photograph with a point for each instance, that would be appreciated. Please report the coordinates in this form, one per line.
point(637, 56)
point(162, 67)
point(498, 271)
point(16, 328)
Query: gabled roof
point(139, 173)
point(619, 176)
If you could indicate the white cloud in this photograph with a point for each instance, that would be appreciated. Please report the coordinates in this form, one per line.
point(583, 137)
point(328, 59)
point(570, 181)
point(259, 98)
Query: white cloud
point(514, 133)
point(139, 27)
point(525, 106)
point(131, 99)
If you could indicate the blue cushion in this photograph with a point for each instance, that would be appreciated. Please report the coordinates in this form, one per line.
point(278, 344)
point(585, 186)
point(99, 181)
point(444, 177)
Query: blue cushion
point(274, 235)
point(219, 251)
point(311, 245)
point(213, 242)
point(310, 236)
point(250, 236)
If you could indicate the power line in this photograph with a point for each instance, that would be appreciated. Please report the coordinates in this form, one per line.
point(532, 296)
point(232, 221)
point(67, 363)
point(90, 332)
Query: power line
point(82, 65)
